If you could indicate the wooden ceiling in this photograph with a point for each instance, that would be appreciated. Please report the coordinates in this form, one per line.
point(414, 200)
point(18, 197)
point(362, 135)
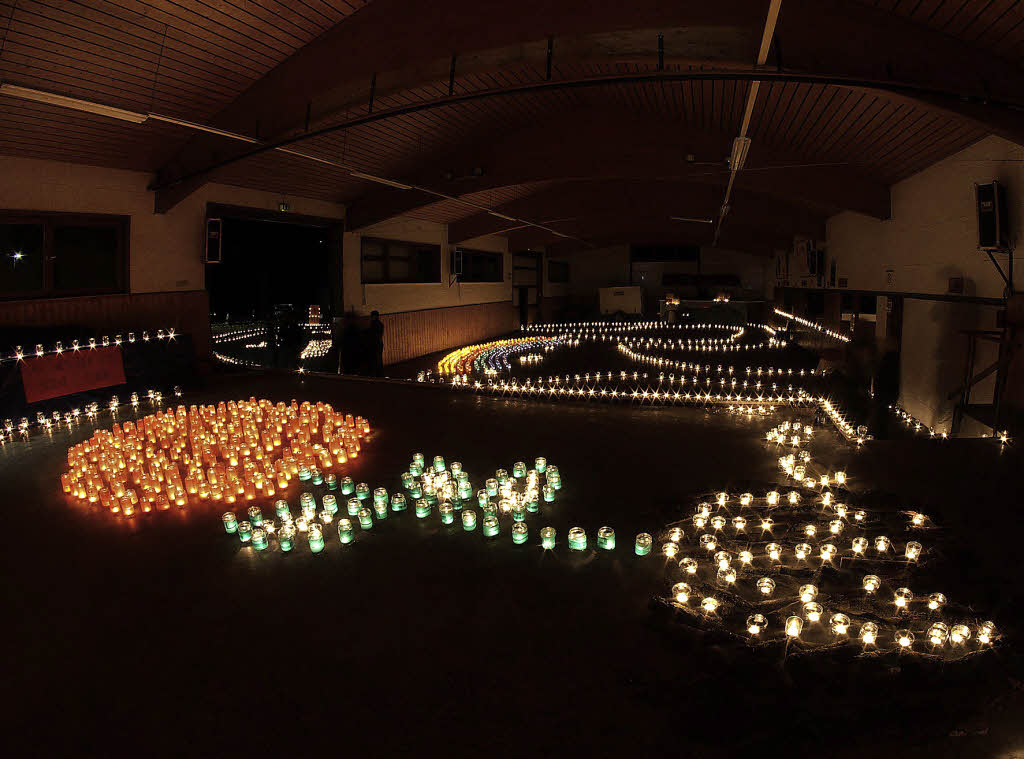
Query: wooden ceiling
point(845, 111)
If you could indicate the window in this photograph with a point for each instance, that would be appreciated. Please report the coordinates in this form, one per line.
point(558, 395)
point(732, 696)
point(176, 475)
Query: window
point(48, 255)
point(480, 266)
point(392, 261)
point(558, 271)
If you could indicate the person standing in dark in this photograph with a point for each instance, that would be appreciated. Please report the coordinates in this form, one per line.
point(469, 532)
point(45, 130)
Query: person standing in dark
point(377, 343)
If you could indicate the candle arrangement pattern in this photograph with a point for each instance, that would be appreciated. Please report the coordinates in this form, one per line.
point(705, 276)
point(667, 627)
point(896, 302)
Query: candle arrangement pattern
point(440, 491)
point(493, 357)
point(803, 567)
point(234, 451)
point(692, 379)
point(797, 565)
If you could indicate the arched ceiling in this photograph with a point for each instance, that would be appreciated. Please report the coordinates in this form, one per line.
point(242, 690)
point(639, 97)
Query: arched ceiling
point(529, 109)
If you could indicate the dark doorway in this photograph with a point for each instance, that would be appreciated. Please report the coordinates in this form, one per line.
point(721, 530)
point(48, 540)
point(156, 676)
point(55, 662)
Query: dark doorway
point(277, 286)
point(524, 305)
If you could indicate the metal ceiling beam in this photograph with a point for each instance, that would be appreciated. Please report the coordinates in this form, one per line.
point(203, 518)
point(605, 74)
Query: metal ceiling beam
point(618, 145)
point(625, 198)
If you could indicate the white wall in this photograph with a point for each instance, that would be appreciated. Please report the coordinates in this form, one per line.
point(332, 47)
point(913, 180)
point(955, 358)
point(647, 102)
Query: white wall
point(931, 237)
point(391, 298)
point(932, 234)
point(165, 249)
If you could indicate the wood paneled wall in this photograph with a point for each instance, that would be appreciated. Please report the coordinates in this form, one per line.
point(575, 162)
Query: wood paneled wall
point(410, 334)
point(188, 312)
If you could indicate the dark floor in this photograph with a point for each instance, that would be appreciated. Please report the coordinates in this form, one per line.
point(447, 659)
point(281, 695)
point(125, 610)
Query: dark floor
point(164, 635)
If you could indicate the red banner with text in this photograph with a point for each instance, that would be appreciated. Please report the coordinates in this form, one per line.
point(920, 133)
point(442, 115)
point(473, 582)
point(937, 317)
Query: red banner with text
point(71, 372)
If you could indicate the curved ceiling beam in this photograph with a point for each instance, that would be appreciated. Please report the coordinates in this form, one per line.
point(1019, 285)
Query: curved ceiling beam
point(624, 198)
point(603, 144)
point(595, 230)
point(400, 45)
point(657, 232)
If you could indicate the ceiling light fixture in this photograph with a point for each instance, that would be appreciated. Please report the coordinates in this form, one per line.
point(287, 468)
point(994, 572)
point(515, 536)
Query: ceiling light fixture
point(52, 98)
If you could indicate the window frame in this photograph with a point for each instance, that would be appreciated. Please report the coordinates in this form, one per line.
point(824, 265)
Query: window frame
point(386, 257)
point(50, 221)
point(469, 253)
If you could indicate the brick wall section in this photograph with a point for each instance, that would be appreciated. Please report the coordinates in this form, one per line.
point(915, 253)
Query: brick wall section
point(410, 334)
point(188, 312)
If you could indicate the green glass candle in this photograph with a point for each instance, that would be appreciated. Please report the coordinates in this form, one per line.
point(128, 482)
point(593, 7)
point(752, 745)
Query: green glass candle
point(281, 509)
point(380, 510)
point(520, 532)
point(316, 538)
point(491, 486)
point(491, 526)
point(532, 505)
point(489, 509)
point(502, 476)
point(331, 503)
point(482, 497)
point(439, 465)
point(259, 539)
point(447, 512)
point(519, 512)
point(255, 516)
point(316, 476)
point(465, 491)
point(245, 531)
point(577, 539)
point(354, 504)
point(306, 499)
point(418, 459)
point(549, 493)
point(309, 512)
point(423, 508)
point(332, 481)
point(348, 487)
point(606, 538)
point(469, 520)
point(286, 538)
point(519, 469)
point(547, 537)
point(362, 491)
point(380, 495)
point(456, 468)
point(540, 463)
point(398, 502)
point(407, 480)
point(416, 491)
point(416, 469)
point(462, 475)
point(230, 522)
point(325, 516)
point(304, 474)
point(345, 530)
point(644, 541)
point(365, 519)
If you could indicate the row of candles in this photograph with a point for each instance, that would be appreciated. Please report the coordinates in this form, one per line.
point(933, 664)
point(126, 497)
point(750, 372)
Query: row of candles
point(73, 346)
point(912, 422)
point(477, 357)
point(91, 412)
point(233, 451)
point(813, 325)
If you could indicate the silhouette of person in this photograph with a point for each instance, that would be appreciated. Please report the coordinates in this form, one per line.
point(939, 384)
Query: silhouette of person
point(377, 343)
